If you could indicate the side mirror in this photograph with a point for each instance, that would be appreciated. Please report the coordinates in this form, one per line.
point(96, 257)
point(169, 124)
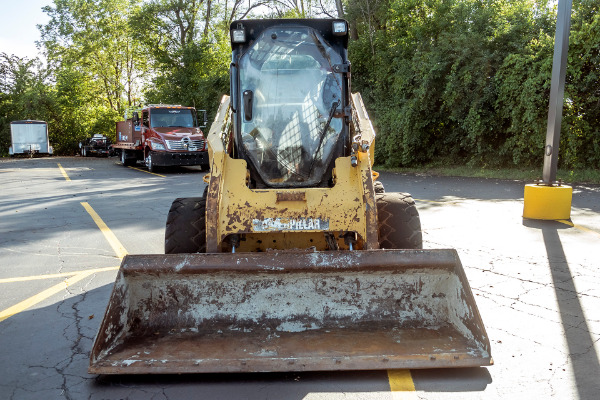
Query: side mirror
point(204, 118)
point(136, 118)
point(248, 100)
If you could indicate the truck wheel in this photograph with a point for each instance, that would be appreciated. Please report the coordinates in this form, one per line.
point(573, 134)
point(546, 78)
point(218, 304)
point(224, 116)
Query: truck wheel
point(124, 159)
point(399, 223)
point(149, 164)
point(84, 152)
point(186, 226)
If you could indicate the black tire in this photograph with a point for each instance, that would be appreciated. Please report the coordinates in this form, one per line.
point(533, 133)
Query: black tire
point(204, 167)
point(149, 164)
point(399, 223)
point(186, 226)
point(378, 187)
point(126, 161)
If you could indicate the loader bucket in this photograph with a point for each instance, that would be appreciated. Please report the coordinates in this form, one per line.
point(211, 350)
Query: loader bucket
point(290, 311)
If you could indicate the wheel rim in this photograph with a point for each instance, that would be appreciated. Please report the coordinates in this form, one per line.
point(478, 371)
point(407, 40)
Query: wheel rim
point(123, 156)
point(149, 162)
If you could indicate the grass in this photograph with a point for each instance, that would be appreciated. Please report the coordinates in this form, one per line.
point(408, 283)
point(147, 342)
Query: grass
point(520, 174)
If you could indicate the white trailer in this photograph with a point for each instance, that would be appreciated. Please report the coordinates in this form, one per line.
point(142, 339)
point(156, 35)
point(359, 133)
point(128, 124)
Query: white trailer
point(29, 137)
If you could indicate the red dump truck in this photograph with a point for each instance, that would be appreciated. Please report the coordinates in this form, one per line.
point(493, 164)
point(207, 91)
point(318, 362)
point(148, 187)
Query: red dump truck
point(161, 135)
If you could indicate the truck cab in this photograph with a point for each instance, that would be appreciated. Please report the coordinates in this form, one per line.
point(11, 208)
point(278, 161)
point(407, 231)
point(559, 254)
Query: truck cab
point(162, 135)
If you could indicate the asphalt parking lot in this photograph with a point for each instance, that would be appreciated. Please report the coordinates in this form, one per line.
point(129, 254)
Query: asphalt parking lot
point(66, 221)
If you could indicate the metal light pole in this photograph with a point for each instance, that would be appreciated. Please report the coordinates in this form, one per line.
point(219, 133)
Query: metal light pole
point(557, 91)
point(549, 199)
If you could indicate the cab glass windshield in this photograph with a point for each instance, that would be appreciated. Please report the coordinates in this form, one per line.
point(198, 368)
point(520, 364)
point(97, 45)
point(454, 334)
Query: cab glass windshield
point(290, 105)
point(172, 118)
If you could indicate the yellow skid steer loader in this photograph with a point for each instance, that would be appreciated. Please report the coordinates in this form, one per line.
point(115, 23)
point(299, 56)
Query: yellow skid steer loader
point(295, 258)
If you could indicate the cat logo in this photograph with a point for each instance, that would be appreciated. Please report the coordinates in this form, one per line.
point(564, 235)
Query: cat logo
point(291, 224)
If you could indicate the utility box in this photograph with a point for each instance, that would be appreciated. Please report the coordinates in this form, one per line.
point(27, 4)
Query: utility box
point(29, 137)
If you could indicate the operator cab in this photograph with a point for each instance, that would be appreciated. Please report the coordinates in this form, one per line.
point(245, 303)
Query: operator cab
point(290, 97)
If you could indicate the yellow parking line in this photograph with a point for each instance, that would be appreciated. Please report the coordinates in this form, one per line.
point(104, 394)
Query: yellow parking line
point(148, 172)
point(108, 235)
point(75, 276)
point(401, 380)
point(52, 276)
point(33, 300)
point(63, 172)
point(578, 227)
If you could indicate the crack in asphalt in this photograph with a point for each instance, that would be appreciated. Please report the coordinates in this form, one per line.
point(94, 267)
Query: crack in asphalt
point(60, 259)
point(12, 388)
point(528, 261)
point(75, 347)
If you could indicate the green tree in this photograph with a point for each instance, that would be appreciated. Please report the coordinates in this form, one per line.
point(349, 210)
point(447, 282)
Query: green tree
point(523, 98)
point(580, 139)
point(24, 94)
point(95, 38)
point(79, 114)
point(441, 77)
point(524, 81)
point(187, 44)
point(188, 51)
point(95, 63)
point(200, 80)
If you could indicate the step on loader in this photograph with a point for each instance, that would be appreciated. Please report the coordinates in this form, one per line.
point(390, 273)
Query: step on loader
point(295, 258)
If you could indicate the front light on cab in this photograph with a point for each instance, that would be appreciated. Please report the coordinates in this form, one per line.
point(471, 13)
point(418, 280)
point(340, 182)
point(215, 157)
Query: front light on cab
point(157, 146)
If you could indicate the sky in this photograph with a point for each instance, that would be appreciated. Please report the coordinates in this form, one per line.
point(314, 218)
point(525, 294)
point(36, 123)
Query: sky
point(18, 31)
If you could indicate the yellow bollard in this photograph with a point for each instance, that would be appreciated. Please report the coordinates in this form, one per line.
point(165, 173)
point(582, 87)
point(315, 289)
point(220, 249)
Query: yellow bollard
point(547, 202)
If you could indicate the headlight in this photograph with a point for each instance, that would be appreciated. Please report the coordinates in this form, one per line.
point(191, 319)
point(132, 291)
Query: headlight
point(157, 146)
point(238, 35)
point(339, 28)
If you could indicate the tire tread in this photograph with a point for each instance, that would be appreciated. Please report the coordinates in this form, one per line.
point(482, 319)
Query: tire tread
point(399, 222)
point(186, 226)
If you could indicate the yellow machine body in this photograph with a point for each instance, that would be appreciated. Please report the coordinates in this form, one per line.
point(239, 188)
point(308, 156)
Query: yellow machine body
point(288, 218)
